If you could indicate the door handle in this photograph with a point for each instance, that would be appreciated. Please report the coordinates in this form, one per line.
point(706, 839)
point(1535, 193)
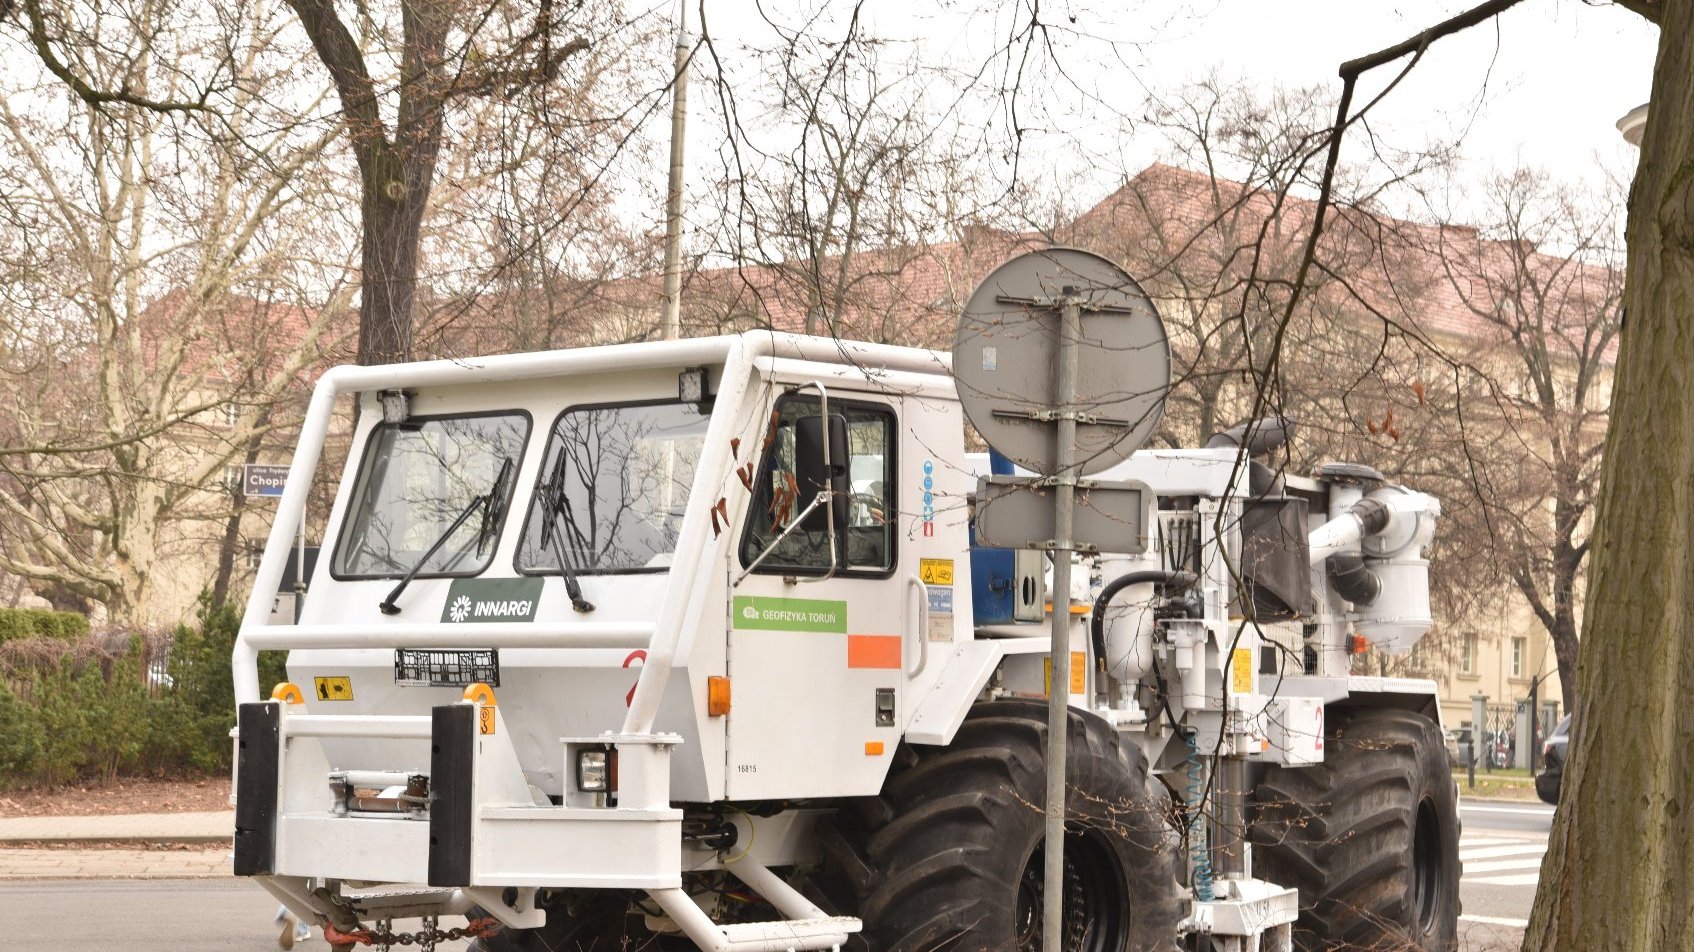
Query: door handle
point(912, 581)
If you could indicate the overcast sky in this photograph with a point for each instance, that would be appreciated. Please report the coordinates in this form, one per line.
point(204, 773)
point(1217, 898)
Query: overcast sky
point(1545, 83)
point(1541, 86)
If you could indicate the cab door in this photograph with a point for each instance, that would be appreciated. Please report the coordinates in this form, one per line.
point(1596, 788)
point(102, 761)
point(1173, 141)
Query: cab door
point(815, 652)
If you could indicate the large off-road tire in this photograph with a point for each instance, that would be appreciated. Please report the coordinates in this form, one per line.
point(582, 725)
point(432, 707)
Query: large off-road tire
point(950, 855)
point(1370, 837)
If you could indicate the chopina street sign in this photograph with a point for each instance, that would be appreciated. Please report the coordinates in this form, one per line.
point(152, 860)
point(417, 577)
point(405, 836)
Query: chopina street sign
point(258, 479)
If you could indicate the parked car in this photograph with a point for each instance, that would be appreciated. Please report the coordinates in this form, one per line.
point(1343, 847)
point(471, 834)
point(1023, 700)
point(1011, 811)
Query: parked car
point(1553, 754)
point(1459, 746)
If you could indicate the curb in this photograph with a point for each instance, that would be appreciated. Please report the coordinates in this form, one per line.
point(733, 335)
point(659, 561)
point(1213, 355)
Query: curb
point(141, 842)
point(1464, 799)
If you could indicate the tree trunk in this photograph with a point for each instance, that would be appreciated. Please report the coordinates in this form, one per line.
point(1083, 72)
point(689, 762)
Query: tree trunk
point(232, 527)
point(1565, 644)
point(388, 283)
point(1619, 870)
point(1567, 567)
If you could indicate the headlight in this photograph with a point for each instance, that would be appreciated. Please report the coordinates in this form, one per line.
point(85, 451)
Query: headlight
point(592, 773)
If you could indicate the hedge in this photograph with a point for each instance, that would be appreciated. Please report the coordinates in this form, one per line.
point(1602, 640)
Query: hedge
point(41, 623)
point(141, 706)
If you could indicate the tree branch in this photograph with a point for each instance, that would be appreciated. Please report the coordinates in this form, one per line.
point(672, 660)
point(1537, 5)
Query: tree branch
point(543, 70)
point(346, 64)
point(36, 27)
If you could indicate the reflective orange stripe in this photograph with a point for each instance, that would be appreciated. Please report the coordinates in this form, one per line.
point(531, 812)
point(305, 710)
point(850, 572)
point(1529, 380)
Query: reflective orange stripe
point(873, 651)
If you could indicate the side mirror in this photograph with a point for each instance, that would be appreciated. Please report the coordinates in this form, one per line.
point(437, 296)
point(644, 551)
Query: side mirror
point(811, 473)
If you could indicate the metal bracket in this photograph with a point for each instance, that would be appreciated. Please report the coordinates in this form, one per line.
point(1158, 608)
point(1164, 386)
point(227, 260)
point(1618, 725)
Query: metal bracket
point(1053, 416)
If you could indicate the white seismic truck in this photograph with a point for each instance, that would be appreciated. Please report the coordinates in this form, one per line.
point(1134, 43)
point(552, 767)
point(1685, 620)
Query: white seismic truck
point(687, 643)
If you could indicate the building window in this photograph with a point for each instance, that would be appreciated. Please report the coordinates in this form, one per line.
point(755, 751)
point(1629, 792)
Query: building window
point(1467, 654)
point(1519, 649)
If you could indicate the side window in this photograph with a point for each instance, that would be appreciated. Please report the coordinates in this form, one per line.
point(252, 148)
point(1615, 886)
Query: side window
point(867, 540)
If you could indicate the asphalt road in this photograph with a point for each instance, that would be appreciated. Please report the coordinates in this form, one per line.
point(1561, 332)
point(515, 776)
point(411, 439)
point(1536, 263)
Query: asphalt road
point(192, 915)
point(1501, 847)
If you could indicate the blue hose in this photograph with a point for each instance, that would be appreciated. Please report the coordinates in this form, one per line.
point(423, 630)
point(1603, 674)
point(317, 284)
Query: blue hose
point(1199, 857)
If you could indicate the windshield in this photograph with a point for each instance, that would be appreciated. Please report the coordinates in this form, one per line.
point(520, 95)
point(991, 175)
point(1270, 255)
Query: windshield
point(417, 479)
point(613, 488)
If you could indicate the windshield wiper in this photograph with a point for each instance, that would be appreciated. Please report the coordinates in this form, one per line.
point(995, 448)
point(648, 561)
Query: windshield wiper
point(553, 502)
point(495, 510)
point(490, 506)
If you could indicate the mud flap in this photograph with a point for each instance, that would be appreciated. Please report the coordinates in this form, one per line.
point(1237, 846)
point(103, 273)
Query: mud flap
point(257, 762)
point(452, 780)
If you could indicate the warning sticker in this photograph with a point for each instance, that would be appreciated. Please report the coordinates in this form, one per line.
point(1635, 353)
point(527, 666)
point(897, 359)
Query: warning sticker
point(1241, 666)
point(936, 571)
point(339, 688)
point(1079, 674)
point(485, 719)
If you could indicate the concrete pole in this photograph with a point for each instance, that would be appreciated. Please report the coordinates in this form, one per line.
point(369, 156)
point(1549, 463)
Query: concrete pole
point(1058, 682)
point(1523, 744)
point(671, 324)
point(1478, 725)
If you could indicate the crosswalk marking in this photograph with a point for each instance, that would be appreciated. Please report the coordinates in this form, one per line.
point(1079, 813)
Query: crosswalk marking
point(1495, 867)
point(1500, 860)
point(1495, 921)
point(1527, 879)
point(1488, 841)
point(1494, 852)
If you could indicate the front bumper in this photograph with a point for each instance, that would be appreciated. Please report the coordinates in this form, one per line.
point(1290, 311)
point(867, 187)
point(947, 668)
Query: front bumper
point(483, 826)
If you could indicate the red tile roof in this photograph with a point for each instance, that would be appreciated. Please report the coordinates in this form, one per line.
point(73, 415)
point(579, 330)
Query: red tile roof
point(1190, 239)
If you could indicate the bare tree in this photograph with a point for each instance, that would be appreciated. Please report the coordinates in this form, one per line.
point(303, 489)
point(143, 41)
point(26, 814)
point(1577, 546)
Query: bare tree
point(445, 52)
point(1617, 873)
point(1537, 376)
point(169, 256)
point(853, 196)
point(1619, 870)
point(400, 74)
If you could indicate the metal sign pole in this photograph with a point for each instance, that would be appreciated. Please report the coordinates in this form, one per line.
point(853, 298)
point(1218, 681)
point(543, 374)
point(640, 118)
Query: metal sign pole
point(1022, 366)
point(1059, 668)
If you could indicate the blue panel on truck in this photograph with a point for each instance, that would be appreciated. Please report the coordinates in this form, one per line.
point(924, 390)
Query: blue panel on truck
point(993, 571)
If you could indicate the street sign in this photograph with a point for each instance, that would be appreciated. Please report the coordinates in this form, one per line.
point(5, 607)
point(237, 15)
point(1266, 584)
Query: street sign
point(1010, 341)
point(1062, 365)
point(258, 479)
point(1016, 512)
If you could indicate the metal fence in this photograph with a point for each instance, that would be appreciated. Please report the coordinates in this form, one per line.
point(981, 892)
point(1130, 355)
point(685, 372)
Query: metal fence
point(1495, 741)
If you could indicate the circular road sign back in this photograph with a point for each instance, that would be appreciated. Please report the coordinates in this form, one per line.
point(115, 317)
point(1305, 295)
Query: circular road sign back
point(1006, 355)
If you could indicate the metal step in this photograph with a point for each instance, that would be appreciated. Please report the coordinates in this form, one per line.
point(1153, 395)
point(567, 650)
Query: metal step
point(823, 933)
point(810, 927)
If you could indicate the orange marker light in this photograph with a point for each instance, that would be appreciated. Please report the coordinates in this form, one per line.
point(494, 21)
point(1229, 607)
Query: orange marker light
point(717, 696)
point(873, 748)
point(1361, 644)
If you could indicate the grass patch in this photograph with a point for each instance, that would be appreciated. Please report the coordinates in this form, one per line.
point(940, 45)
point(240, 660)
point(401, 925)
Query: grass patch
point(1505, 784)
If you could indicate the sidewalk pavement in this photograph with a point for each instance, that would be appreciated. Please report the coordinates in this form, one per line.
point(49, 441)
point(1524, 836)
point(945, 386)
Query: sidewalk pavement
point(59, 847)
point(200, 828)
point(69, 863)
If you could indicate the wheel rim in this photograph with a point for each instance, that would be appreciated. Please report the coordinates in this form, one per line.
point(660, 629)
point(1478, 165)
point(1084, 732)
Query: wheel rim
point(1426, 866)
point(1096, 910)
